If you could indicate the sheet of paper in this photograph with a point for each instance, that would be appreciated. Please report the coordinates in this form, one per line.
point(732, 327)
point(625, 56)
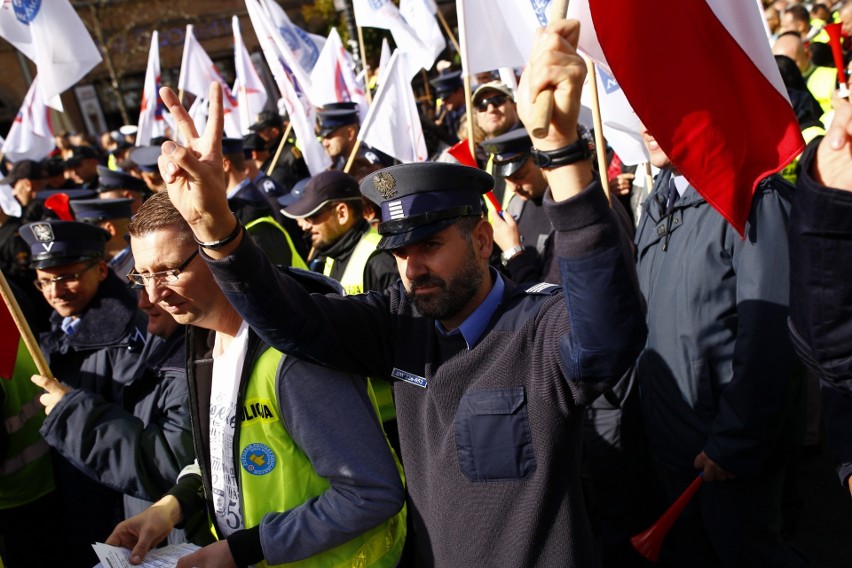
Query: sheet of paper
point(117, 557)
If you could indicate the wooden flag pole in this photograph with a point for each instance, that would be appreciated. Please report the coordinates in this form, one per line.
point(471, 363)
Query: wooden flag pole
point(24, 328)
point(365, 65)
point(426, 86)
point(280, 148)
point(447, 29)
point(352, 155)
point(468, 97)
point(600, 143)
point(543, 104)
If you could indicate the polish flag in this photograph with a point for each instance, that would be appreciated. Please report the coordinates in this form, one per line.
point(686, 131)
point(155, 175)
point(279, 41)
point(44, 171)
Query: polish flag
point(703, 80)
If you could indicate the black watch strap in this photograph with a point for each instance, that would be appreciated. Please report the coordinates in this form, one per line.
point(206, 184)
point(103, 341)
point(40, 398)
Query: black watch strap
point(564, 156)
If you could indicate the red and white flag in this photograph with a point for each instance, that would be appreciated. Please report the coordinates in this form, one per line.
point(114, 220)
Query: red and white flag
point(52, 35)
point(721, 115)
point(31, 135)
point(393, 124)
point(333, 80)
point(248, 88)
point(152, 120)
point(197, 71)
point(300, 111)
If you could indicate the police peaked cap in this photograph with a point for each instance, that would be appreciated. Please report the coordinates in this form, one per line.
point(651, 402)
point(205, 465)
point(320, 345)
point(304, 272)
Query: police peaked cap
point(329, 120)
point(510, 151)
point(266, 119)
point(25, 169)
point(57, 243)
point(446, 83)
point(420, 199)
point(232, 146)
point(111, 180)
point(96, 210)
point(146, 157)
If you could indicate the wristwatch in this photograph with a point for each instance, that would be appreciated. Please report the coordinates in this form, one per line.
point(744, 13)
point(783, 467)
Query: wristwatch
point(511, 253)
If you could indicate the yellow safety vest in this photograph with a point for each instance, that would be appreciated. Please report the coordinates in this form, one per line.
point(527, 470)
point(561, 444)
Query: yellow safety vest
point(282, 478)
point(296, 261)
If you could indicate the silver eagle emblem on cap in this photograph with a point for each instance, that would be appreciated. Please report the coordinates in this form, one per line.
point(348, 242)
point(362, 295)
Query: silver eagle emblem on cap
point(385, 184)
point(43, 232)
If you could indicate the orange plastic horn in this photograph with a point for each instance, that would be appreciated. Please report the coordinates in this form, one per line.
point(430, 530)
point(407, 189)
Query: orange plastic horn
point(649, 543)
point(59, 204)
point(834, 32)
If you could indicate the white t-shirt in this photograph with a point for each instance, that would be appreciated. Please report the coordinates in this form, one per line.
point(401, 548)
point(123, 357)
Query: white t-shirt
point(227, 368)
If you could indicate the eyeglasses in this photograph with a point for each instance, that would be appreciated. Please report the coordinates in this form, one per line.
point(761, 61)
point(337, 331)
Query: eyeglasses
point(319, 215)
point(170, 276)
point(64, 279)
point(496, 100)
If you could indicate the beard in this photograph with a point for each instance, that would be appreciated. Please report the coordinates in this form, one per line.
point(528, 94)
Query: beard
point(453, 295)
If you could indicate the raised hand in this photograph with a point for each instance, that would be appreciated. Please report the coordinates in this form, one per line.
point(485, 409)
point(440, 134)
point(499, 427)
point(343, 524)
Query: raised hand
point(194, 174)
point(554, 65)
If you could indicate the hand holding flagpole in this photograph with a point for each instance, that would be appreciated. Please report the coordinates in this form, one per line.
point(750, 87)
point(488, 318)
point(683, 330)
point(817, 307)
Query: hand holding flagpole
point(544, 101)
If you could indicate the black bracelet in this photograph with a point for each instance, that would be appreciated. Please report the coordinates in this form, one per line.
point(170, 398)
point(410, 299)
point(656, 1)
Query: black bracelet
point(226, 241)
point(570, 154)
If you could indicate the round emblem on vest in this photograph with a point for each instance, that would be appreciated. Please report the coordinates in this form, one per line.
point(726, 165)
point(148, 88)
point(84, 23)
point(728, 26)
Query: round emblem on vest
point(257, 459)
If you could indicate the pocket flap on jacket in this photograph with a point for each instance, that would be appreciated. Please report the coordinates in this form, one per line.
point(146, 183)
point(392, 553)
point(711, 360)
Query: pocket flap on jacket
point(495, 401)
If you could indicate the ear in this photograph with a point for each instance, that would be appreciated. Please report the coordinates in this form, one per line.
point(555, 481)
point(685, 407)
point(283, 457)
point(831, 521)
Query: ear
point(352, 132)
point(342, 213)
point(103, 270)
point(109, 227)
point(483, 239)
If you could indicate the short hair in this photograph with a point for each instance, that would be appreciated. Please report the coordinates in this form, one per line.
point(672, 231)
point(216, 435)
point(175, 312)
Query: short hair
point(467, 224)
point(799, 13)
point(157, 214)
point(238, 161)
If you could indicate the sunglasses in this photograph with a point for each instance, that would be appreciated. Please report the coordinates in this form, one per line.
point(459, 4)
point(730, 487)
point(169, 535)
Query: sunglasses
point(496, 100)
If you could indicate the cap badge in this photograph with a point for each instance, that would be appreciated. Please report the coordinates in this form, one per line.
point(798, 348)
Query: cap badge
point(385, 184)
point(43, 232)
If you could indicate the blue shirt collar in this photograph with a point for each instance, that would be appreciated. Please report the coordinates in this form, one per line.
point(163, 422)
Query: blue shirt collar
point(237, 188)
point(474, 326)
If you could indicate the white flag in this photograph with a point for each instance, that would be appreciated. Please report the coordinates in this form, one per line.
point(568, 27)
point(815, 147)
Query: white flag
point(52, 35)
point(498, 33)
point(31, 135)
point(385, 15)
point(152, 121)
point(304, 46)
point(248, 88)
point(333, 80)
point(197, 71)
point(393, 123)
point(384, 59)
point(301, 113)
point(420, 14)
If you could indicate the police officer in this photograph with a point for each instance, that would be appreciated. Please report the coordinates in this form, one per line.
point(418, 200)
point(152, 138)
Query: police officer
point(81, 167)
point(338, 125)
point(449, 96)
point(254, 209)
point(285, 167)
point(114, 185)
point(94, 344)
point(113, 216)
point(330, 213)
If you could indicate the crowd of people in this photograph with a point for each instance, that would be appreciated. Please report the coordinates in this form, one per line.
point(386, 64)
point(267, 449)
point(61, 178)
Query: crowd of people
point(425, 364)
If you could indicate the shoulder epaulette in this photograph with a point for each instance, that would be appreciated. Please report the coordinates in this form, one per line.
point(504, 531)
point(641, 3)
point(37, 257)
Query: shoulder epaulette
point(543, 288)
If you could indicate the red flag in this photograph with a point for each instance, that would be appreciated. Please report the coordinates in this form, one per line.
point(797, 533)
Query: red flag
point(9, 339)
point(702, 79)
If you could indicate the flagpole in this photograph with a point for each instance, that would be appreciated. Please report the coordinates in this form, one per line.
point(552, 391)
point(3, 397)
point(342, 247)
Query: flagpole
point(448, 30)
point(468, 97)
point(600, 144)
point(24, 328)
point(365, 65)
point(543, 104)
point(426, 85)
point(244, 110)
point(280, 148)
point(352, 155)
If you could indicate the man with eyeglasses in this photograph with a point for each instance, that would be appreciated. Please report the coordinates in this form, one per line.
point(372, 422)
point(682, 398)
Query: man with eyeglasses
point(292, 464)
point(116, 417)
